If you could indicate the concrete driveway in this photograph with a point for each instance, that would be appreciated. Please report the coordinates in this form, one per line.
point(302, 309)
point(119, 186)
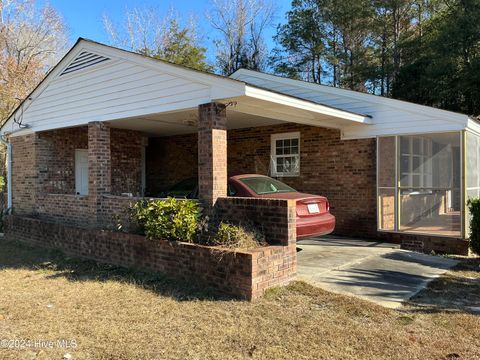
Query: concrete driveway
point(375, 271)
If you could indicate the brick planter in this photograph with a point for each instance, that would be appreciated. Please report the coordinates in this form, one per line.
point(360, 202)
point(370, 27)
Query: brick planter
point(243, 274)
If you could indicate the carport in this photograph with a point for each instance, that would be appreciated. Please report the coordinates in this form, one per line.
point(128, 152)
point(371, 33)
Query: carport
point(390, 169)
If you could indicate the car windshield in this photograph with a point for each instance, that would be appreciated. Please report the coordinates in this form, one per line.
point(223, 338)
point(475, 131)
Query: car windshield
point(264, 185)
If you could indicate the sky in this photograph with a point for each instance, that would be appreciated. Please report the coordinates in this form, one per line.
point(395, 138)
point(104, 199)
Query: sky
point(84, 17)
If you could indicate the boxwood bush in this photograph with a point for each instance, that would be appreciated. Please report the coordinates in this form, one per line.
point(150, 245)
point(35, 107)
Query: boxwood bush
point(474, 207)
point(182, 220)
point(169, 219)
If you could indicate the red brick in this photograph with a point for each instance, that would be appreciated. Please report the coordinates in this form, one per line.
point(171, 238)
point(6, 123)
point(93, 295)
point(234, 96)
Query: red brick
point(218, 268)
point(212, 153)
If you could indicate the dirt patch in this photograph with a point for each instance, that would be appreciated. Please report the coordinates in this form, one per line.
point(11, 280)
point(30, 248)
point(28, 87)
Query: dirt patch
point(457, 291)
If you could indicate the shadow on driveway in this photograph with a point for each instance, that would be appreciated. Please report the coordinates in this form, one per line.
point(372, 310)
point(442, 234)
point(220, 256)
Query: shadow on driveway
point(379, 272)
point(456, 291)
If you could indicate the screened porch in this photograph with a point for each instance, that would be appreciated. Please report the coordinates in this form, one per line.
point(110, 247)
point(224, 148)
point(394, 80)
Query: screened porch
point(425, 180)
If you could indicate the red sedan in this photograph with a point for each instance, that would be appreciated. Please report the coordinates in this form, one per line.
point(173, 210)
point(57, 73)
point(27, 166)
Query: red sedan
point(313, 211)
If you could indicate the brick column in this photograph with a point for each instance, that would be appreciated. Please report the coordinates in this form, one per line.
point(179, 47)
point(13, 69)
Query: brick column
point(99, 167)
point(25, 174)
point(44, 154)
point(212, 153)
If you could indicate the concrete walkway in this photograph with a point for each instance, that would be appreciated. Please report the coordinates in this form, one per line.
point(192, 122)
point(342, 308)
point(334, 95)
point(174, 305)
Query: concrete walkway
point(378, 272)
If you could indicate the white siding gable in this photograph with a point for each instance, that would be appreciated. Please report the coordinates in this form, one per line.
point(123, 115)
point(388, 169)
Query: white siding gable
point(97, 83)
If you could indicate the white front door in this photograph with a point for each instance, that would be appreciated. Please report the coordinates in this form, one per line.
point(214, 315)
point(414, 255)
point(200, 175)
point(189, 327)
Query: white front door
point(81, 171)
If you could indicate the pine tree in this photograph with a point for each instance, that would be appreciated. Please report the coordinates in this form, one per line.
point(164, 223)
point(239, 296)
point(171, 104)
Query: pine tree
point(326, 41)
point(147, 32)
point(180, 48)
point(444, 70)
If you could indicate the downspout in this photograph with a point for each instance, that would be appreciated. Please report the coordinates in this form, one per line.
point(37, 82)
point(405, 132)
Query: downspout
point(9, 172)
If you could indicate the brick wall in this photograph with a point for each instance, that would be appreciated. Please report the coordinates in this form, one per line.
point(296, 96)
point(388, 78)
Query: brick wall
point(274, 217)
point(24, 174)
point(169, 160)
point(427, 243)
point(126, 152)
point(75, 210)
point(272, 266)
point(386, 203)
point(244, 274)
point(56, 156)
point(44, 164)
point(344, 171)
point(66, 209)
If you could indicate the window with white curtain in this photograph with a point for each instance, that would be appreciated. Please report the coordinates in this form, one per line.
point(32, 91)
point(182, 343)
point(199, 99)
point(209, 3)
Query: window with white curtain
point(285, 154)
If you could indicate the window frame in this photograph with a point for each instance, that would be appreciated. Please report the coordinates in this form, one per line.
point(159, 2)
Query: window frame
point(424, 172)
point(274, 157)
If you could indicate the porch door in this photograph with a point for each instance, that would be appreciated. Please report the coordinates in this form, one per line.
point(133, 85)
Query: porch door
point(81, 171)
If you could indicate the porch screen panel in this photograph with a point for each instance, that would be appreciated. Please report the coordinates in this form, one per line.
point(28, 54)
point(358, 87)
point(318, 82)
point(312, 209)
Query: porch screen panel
point(472, 170)
point(386, 183)
point(430, 184)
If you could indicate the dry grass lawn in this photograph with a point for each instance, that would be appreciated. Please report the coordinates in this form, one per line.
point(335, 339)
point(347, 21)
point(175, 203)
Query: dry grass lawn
point(113, 313)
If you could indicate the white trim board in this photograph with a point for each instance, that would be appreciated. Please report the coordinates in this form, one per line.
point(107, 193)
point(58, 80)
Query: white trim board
point(388, 116)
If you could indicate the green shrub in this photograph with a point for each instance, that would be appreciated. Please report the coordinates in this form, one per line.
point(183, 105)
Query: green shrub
point(169, 219)
point(474, 207)
point(237, 236)
point(181, 220)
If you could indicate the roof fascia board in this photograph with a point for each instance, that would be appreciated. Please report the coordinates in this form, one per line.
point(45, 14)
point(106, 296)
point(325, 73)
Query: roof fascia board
point(451, 128)
point(394, 103)
point(473, 126)
point(146, 111)
point(278, 115)
point(19, 132)
point(266, 95)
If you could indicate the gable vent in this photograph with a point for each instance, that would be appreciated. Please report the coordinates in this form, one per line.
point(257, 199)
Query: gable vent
point(83, 60)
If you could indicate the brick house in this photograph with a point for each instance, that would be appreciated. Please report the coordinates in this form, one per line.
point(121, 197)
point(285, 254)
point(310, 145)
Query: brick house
point(107, 125)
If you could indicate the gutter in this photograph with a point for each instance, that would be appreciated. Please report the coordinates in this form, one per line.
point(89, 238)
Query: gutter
point(9, 172)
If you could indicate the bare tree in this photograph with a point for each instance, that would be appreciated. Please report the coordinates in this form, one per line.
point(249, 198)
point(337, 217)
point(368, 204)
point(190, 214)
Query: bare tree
point(241, 25)
point(32, 39)
point(143, 30)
